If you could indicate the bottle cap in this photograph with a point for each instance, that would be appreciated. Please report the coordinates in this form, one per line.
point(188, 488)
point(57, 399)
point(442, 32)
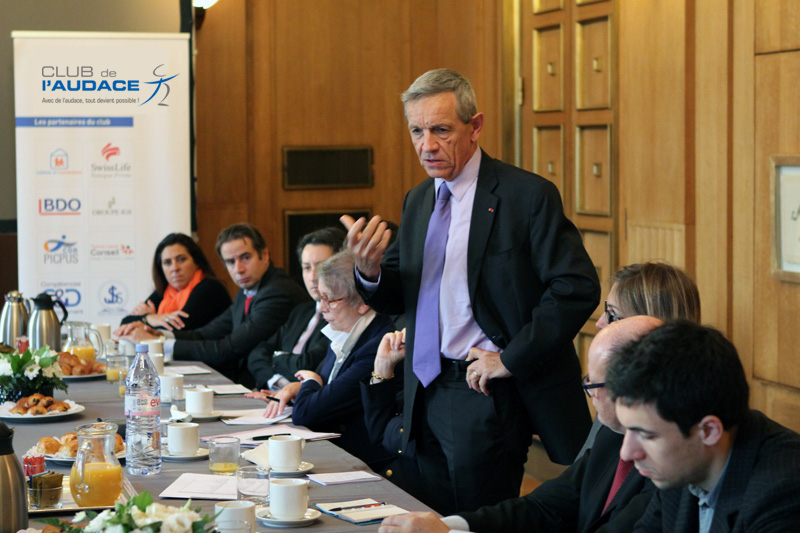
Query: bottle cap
point(142, 348)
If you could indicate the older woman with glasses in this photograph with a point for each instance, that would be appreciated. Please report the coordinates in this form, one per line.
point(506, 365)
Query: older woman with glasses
point(328, 399)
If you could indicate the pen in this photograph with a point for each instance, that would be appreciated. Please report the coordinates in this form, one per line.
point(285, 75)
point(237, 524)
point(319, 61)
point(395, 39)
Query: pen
point(266, 437)
point(357, 507)
point(274, 399)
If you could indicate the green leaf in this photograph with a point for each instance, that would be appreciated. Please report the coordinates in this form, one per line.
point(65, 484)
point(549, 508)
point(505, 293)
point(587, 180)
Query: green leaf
point(142, 500)
point(65, 526)
point(41, 352)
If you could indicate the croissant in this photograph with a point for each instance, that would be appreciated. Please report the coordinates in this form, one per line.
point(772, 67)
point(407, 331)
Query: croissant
point(37, 410)
point(48, 445)
point(61, 407)
point(69, 449)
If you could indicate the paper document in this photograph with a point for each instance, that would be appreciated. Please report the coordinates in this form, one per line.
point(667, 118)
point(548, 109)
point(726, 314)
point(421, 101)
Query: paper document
point(258, 436)
point(257, 418)
point(362, 511)
point(187, 370)
point(202, 487)
point(337, 478)
point(229, 389)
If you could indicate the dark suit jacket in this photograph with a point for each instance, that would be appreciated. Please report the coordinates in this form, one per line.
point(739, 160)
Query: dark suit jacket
point(263, 365)
point(573, 501)
point(225, 342)
point(337, 406)
point(531, 284)
point(207, 301)
point(760, 489)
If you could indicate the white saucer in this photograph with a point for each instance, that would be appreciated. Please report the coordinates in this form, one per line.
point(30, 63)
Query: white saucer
point(208, 417)
point(302, 469)
point(268, 520)
point(201, 454)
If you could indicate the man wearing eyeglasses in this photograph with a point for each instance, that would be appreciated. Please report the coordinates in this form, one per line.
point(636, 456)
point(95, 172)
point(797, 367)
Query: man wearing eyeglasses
point(597, 491)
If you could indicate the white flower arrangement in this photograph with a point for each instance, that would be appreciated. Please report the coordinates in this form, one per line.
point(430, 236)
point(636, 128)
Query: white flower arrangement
point(139, 515)
point(29, 372)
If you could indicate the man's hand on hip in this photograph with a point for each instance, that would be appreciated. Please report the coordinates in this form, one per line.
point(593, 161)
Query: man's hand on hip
point(487, 366)
point(368, 241)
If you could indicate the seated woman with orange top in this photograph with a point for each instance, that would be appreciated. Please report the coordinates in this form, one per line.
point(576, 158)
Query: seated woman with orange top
point(187, 295)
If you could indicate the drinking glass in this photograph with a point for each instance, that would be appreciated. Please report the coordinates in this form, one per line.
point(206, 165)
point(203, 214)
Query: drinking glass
point(252, 484)
point(223, 455)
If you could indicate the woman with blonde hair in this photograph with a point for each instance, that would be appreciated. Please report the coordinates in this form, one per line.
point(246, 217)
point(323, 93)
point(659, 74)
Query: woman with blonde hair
point(654, 289)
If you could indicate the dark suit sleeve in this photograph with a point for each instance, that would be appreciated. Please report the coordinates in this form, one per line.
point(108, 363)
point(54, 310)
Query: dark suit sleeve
point(208, 300)
point(380, 408)
point(221, 345)
point(552, 507)
point(317, 406)
point(154, 297)
point(571, 293)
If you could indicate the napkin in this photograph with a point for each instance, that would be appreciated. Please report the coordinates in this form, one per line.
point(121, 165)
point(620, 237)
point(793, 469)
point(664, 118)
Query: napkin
point(258, 455)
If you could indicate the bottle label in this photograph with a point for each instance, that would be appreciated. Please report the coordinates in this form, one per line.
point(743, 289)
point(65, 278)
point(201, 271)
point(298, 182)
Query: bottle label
point(142, 405)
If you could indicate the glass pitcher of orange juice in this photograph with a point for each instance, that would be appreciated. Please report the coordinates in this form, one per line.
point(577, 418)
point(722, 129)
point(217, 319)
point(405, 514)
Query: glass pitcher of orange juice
point(79, 342)
point(96, 477)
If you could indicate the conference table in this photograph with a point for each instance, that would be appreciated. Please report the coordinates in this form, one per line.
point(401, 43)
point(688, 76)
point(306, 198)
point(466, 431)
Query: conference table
point(101, 400)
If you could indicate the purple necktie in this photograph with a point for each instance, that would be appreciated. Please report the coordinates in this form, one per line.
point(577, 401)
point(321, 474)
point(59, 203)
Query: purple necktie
point(427, 338)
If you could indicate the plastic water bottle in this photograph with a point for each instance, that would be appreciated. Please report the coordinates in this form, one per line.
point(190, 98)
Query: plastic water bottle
point(143, 416)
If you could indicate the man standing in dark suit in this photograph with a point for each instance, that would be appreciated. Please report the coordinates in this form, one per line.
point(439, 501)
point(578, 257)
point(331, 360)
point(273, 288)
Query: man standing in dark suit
point(495, 284)
point(299, 344)
point(682, 396)
point(262, 306)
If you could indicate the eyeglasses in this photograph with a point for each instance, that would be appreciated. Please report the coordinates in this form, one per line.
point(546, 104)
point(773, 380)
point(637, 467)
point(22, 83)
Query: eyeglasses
point(333, 303)
point(611, 314)
point(588, 386)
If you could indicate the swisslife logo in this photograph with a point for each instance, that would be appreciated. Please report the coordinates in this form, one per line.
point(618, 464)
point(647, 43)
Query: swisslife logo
point(60, 206)
point(112, 159)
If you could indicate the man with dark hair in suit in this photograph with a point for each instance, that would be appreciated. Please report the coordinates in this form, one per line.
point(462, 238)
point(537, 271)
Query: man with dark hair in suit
point(299, 344)
point(682, 396)
point(495, 283)
point(597, 493)
point(262, 306)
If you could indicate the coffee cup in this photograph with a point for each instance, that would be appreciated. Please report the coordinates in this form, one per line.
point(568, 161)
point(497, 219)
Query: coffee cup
point(104, 330)
point(155, 346)
point(126, 347)
point(171, 388)
point(285, 452)
point(199, 401)
point(183, 438)
point(288, 498)
point(236, 511)
point(158, 362)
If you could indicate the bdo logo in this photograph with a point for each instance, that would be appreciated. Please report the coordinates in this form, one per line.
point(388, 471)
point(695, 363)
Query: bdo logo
point(59, 206)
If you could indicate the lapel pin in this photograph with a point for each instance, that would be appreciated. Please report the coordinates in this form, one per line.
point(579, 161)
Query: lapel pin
point(491, 209)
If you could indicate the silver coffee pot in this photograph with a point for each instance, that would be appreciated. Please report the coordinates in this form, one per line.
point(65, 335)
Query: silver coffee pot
point(14, 318)
point(44, 326)
point(13, 501)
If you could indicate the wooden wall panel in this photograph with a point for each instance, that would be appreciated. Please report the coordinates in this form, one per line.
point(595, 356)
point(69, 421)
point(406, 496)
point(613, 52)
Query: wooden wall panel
point(326, 72)
point(653, 241)
point(223, 176)
point(778, 303)
point(712, 174)
point(652, 109)
point(743, 142)
point(776, 25)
